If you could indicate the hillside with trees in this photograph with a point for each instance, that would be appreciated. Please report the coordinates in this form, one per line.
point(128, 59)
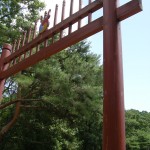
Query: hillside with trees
point(137, 130)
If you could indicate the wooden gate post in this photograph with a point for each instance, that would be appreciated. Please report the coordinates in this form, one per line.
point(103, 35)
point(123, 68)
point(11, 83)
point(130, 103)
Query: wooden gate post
point(113, 113)
point(6, 51)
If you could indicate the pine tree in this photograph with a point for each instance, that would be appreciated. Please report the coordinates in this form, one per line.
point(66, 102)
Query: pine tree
point(67, 111)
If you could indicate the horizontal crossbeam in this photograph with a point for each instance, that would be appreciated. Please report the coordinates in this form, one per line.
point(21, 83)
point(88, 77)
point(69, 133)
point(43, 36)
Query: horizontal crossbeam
point(123, 12)
point(62, 25)
point(129, 9)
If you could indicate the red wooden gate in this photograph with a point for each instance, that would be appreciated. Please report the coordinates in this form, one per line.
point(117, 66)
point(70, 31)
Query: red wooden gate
point(31, 48)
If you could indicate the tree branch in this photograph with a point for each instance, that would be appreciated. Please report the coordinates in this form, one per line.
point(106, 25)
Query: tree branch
point(34, 107)
point(12, 122)
point(15, 101)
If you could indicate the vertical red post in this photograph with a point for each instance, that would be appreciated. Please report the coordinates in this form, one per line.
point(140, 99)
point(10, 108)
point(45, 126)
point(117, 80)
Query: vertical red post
point(19, 41)
point(37, 48)
point(35, 28)
point(24, 38)
point(6, 51)
point(63, 10)
point(113, 111)
point(14, 46)
point(29, 34)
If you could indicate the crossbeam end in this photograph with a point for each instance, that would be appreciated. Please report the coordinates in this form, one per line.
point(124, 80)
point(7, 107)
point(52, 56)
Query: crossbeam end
point(129, 9)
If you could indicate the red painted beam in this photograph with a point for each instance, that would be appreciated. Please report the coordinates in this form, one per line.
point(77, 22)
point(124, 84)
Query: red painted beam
point(63, 43)
point(129, 9)
point(62, 25)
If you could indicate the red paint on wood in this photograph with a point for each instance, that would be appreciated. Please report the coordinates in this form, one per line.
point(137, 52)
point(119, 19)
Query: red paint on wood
point(14, 46)
point(90, 14)
point(35, 29)
point(129, 9)
point(71, 7)
point(24, 38)
point(63, 10)
point(71, 12)
point(29, 35)
point(113, 108)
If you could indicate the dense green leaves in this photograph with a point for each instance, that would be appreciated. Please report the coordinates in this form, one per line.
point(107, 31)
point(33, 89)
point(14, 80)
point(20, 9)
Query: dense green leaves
point(137, 130)
point(68, 114)
point(15, 16)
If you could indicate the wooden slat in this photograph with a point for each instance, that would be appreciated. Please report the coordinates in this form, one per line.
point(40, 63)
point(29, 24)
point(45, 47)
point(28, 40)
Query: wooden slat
point(56, 15)
point(19, 41)
point(80, 7)
point(90, 14)
point(63, 10)
point(62, 16)
point(71, 7)
point(24, 38)
point(71, 12)
point(29, 35)
point(14, 46)
point(35, 29)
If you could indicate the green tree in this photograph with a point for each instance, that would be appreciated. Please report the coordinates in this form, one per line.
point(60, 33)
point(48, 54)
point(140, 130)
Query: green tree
point(68, 110)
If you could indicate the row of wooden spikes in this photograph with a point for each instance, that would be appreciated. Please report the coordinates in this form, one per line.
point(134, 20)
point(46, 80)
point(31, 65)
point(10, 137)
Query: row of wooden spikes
point(31, 33)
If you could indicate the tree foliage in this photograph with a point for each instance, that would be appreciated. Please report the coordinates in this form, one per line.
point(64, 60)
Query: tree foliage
point(68, 112)
point(16, 16)
point(137, 130)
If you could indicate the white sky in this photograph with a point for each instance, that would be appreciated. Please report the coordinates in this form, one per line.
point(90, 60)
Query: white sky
point(136, 52)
